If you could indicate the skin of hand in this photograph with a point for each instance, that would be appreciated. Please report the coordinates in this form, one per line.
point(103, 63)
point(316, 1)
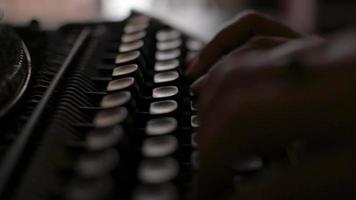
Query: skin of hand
point(265, 101)
point(244, 28)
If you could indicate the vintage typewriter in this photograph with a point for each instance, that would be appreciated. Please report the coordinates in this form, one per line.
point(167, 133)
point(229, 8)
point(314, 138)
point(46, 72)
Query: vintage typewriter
point(98, 111)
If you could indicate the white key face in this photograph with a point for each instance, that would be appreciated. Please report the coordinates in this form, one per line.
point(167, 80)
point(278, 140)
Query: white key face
point(168, 34)
point(194, 121)
point(132, 37)
point(163, 107)
point(161, 126)
point(126, 47)
point(115, 99)
point(167, 55)
point(166, 65)
point(159, 146)
point(156, 192)
point(110, 117)
point(95, 164)
point(127, 57)
point(168, 45)
point(155, 171)
point(120, 84)
point(165, 91)
point(100, 139)
point(165, 77)
point(124, 70)
point(194, 140)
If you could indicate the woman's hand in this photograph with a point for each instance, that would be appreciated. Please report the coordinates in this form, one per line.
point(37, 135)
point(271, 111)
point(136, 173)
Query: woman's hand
point(258, 102)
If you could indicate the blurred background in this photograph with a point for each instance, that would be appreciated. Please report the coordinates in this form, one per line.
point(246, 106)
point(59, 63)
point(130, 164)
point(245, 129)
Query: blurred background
point(202, 18)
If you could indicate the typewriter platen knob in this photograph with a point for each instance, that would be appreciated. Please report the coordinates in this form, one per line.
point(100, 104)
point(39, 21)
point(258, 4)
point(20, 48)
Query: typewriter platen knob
point(15, 69)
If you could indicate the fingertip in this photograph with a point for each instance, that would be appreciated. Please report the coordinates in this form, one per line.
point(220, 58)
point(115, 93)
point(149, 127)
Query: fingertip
point(199, 84)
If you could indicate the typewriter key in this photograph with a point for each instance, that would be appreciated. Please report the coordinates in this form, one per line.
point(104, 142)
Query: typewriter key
point(165, 91)
point(165, 77)
point(98, 163)
point(103, 138)
point(127, 57)
point(156, 192)
point(161, 126)
point(132, 37)
point(115, 99)
point(167, 55)
point(128, 83)
point(193, 105)
point(126, 47)
point(163, 107)
point(135, 27)
point(131, 70)
point(194, 121)
point(168, 34)
point(168, 45)
point(194, 140)
point(250, 164)
point(159, 146)
point(110, 117)
point(166, 65)
point(155, 171)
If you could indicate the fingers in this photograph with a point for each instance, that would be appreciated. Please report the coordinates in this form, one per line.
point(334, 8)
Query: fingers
point(329, 176)
point(256, 43)
point(248, 24)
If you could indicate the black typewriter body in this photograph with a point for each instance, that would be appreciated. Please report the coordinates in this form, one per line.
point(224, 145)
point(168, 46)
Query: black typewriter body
point(107, 114)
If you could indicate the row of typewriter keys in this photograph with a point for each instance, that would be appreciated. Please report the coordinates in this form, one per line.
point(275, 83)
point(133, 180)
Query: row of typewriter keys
point(158, 168)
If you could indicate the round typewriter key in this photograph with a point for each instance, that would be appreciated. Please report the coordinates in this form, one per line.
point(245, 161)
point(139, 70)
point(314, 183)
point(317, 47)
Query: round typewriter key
point(165, 91)
point(194, 45)
point(168, 45)
point(155, 171)
point(135, 27)
point(121, 84)
point(97, 164)
point(115, 99)
point(165, 77)
point(131, 70)
point(194, 140)
point(92, 189)
point(250, 164)
point(124, 70)
point(194, 121)
point(193, 105)
point(125, 47)
point(103, 138)
point(168, 34)
point(132, 37)
point(167, 55)
point(166, 65)
point(110, 117)
point(163, 107)
point(156, 192)
point(159, 146)
point(161, 126)
point(127, 57)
